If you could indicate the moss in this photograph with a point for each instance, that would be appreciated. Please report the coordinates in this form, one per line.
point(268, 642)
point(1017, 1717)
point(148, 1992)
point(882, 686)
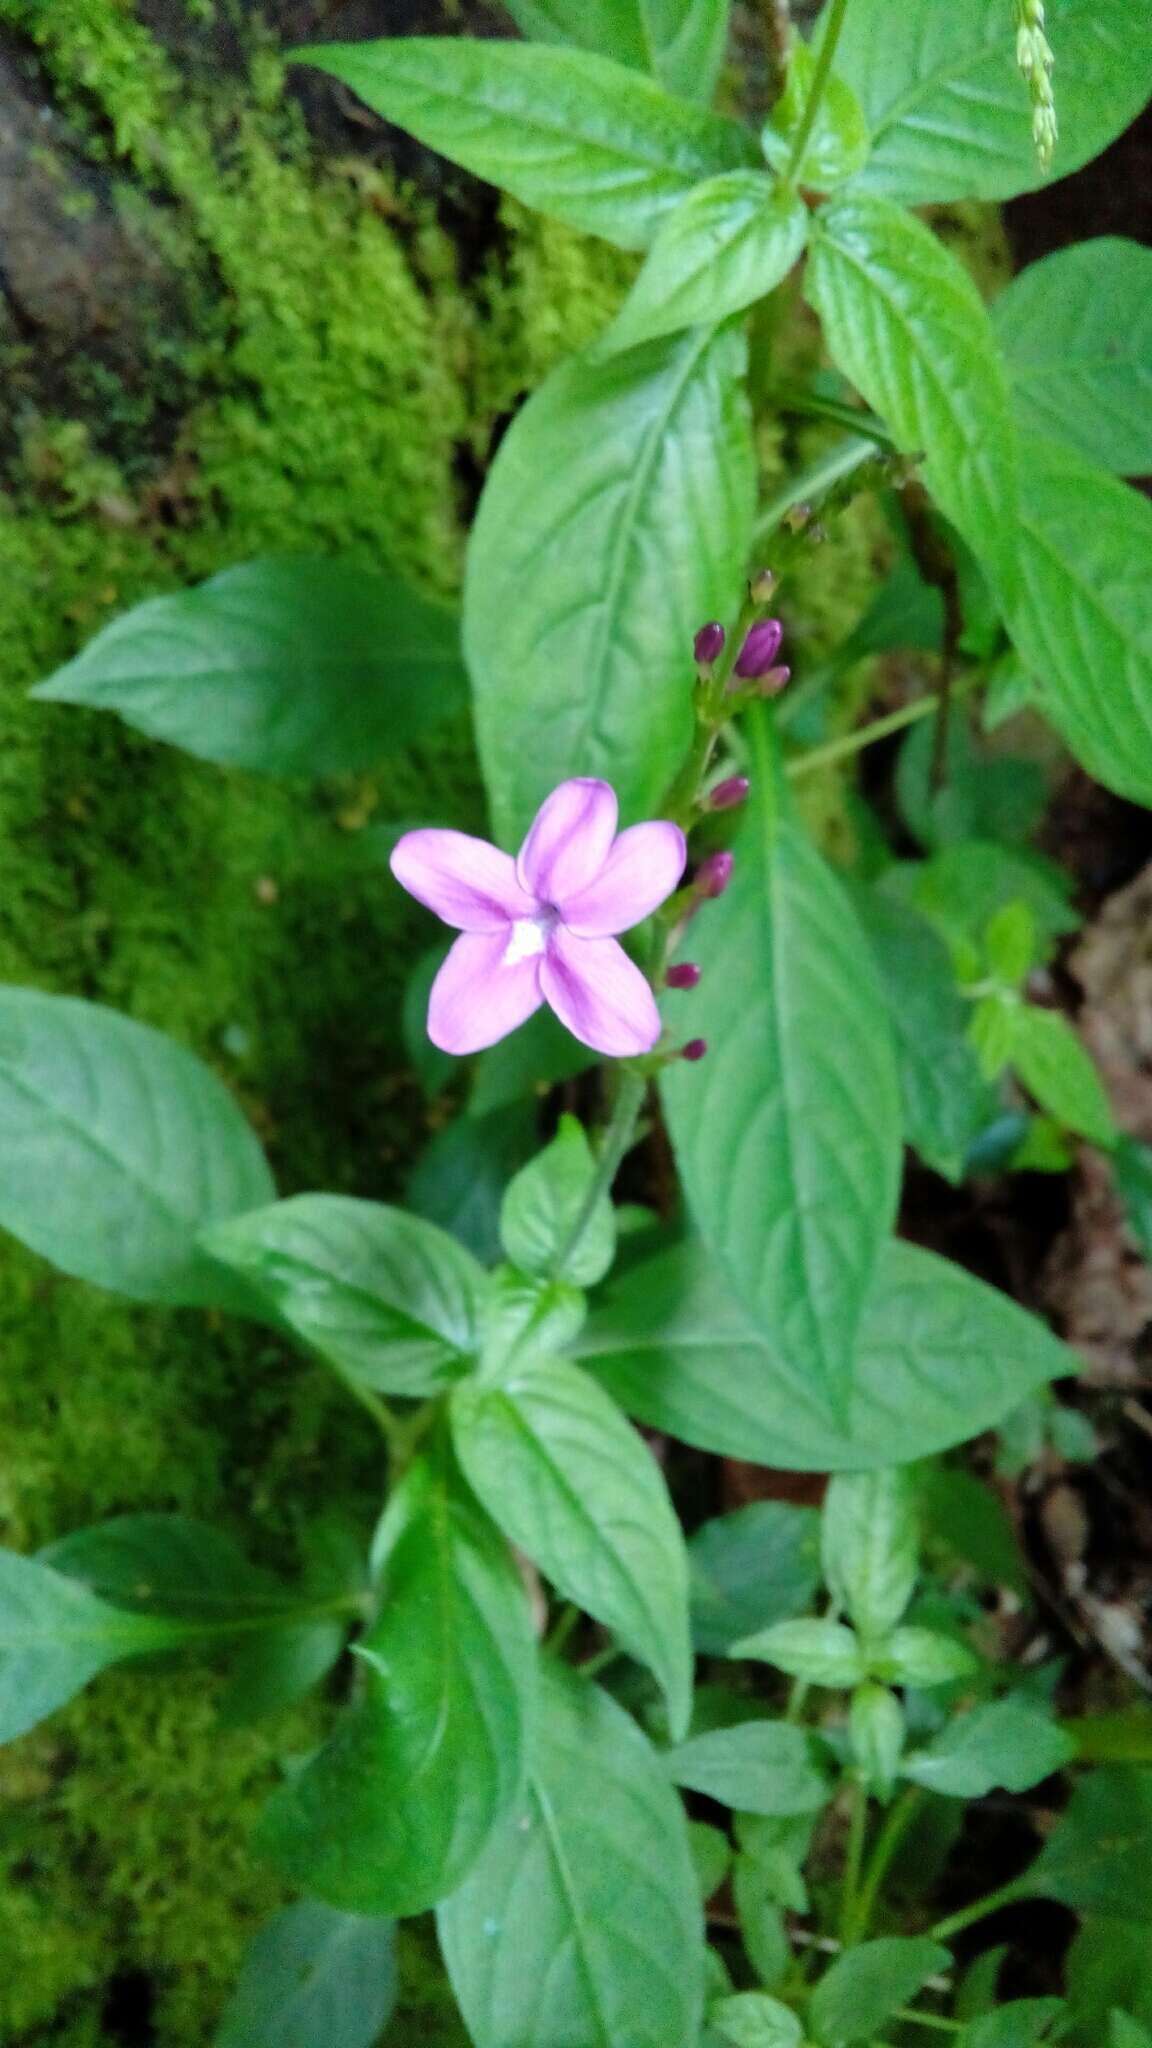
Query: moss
point(314, 383)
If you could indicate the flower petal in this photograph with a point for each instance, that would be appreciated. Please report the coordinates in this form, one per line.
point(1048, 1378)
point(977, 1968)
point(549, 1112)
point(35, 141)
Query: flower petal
point(643, 868)
point(597, 992)
point(465, 881)
point(476, 999)
point(569, 839)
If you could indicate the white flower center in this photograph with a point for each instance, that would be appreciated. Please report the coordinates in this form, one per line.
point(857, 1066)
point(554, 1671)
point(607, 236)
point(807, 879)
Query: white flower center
point(528, 937)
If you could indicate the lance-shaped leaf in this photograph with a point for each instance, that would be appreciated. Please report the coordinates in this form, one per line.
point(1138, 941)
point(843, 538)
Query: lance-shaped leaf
point(870, 1545)
point(578, 636)
point(571, 1483)
point(681, 42)
point(119, 1147)
point(55, 1635)
point(291, 666)
point(577, 136)
point(389, 1299)
point(905, 323)
point(1077, 330)
point(727, 244)
point(948, 108)
point(1079, 611)
point(581, 1922)
point(865, 1986)
point(394, 1810)
point(1001, 1743)
point(788, 1135)
point(1099, 1860)
point(314, 1978)
point(939, 1357)
point(758, 1767)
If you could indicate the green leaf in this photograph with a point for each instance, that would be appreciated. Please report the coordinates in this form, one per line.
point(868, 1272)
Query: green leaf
point(572, 1485)
point(758, 1565)
point(389, 1300)
point(526, 1063)
point(1100, 1858)
point(795, 1205)
point(545, 1204)
point(939, 1358)
point(1124, 2032)
point(289, 665)
point(1132, 1170)
point(169, 1565)
point(522, 1314)
point(727, 244)
point(905, 323)
point(1004, 1743)
point(921, 1657)
point(1109, 1963)
point(999, 797)
point(278, 1666)
point(963, 886)
point(838, 145)
point(118, 1148)
point(866, 1985)
point(870, 1544)
point(392, 1813)
point(681, 42)
point(314, 1978)
point(711, 1857)
point(612, 471)
point(459, 1179)
point(876, 1732)
point(750, 2019)
point(575, 135)
point(948, 108)
point(55, 1635)
point(582, 1921)
point(1079, 614)
point(1010, 944)
point(763, 1767)
point(1077, 331)
point(820, 1652)
point(1057, 1070)
point(972, 1522)
point(946, 1100)
point(763, 1885)
point(1020, 2024)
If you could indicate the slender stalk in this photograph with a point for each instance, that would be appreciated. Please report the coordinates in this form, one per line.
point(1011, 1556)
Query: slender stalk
point(897, 1821)
point(820, 78)
point(928, 2019)
point(853, 1861)
point(563, 1628)
point(811, 406)
point(1007, 1895)
point(616, 1141)
point(390, 1426)
point(865, 735)
point(821, 476)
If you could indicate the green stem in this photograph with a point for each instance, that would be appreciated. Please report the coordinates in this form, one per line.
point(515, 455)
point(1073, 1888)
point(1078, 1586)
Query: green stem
point(896, 1824)
point(865, 735)
point(928, 2019)
point(563, 1628)
point(616, 1141)
point(820, 78)
point(1007, 1895)
point(390, 1426)
point(857, 1830)
point(820, 477)
point(809, 405)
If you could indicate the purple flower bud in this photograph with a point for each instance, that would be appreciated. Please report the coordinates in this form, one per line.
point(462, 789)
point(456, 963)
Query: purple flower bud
point(759, 650)
point(727, 794)
point(685, 976)
point(776, 680)
point(695, 1049)
point(762, 586)
point(709, 644)
point(714, 874)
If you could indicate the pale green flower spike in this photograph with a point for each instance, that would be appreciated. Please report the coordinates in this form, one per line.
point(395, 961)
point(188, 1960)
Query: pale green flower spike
point(1034, 56)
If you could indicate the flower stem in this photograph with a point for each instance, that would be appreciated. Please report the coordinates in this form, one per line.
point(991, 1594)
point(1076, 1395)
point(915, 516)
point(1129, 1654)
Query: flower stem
point(820, 78)
point(1007, 1895)
point(896, 1824)
point(857, 1829)
point(865, 735)
point(615, 1143)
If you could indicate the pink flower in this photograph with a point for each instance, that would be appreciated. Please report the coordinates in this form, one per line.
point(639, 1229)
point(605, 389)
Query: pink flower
point(541, 928)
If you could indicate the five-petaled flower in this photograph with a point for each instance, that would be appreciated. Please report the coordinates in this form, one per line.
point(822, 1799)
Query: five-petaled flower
point(541, 928)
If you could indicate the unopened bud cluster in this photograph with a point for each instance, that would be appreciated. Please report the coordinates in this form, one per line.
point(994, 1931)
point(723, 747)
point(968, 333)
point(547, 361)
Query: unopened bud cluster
point(1035, 59)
